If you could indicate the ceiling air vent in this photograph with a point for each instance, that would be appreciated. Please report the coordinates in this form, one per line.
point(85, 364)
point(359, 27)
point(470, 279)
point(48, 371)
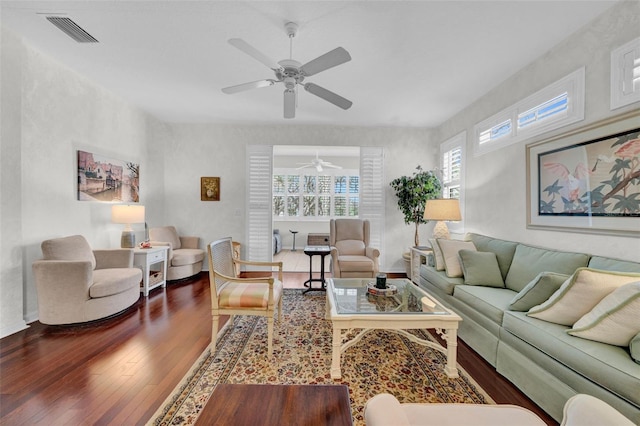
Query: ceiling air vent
point(71, 29)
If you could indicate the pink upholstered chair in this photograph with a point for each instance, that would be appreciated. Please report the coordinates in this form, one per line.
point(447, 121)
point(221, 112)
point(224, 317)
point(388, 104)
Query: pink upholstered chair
point(231, 295)
point(351, 256)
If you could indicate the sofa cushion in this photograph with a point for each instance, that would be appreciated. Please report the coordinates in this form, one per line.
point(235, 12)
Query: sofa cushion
point(107, 282)
point(187, 257)
point(248, 295)
point(166, 234)
point(606, 365)
point(489, 301)
point(355, 263)
point(439, 279)
point(579, 294)
point(450, 250)
point(504, 250)
point(74, 247)
point(480, 268)
point(437, 255)
point(537, 291)
point(634, 348)
point(615, 320)
point(609, 264)
point(529, 261)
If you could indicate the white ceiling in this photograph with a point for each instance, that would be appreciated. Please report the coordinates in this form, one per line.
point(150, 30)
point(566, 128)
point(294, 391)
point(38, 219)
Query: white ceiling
point(414, 63)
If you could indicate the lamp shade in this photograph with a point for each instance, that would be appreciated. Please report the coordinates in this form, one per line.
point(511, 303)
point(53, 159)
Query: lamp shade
point(128, 214)
point(442, 209)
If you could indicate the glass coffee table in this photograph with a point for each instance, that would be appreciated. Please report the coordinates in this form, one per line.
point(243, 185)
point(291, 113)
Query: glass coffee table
point(350, 305)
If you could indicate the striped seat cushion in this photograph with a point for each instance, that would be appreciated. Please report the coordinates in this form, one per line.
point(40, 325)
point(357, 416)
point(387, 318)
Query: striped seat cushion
point(248, 295)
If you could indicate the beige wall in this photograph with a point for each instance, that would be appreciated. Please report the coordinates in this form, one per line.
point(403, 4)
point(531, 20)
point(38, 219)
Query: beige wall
point(49, 111)
point(496, 182)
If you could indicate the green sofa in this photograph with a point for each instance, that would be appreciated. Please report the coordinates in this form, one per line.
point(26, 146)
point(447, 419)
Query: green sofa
point(539, 357)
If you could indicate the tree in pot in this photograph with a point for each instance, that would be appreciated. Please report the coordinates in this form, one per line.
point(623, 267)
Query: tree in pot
point(413, 192)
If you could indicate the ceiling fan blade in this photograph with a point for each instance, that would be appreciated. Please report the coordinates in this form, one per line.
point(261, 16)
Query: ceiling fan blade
point(248, 86)
point(254, 53)
point(289, 103)
point(329, 60)
point(328, 95)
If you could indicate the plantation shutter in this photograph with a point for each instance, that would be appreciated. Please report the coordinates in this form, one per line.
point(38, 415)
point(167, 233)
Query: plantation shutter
point(372, 190)
point(259, 234)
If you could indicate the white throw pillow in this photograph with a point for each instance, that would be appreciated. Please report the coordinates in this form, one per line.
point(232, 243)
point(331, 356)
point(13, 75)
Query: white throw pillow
point(437, 255)
point(580, 294)
point(615, 320)
point(450, 249)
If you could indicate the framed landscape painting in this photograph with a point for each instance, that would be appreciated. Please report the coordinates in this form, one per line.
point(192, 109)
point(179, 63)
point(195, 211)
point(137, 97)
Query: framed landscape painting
point(588, 180)
point(105, 179)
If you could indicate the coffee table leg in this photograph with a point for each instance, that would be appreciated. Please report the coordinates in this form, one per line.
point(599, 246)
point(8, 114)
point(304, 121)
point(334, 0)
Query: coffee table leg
point(452, 349)
point(335, 353)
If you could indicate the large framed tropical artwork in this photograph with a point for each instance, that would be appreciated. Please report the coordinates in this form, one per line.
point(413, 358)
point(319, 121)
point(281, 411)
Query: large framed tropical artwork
point(587, 180)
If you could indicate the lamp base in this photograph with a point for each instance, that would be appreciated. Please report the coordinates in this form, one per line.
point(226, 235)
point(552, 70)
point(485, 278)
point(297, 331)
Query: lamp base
point(128, 239)
point(441, 230)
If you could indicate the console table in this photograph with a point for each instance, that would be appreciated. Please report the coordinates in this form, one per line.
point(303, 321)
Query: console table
point(145, 259)
point(300, 405)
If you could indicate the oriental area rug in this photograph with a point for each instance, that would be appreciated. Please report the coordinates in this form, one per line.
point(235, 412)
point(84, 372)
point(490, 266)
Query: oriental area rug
point(381, 362)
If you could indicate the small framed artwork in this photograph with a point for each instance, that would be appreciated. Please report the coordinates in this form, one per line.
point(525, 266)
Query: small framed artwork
point(210, 188)
point(587, 180)
point(101, 178)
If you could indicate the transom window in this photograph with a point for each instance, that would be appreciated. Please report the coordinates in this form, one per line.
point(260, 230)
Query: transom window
point(300, 194)
point(555, 106)
point(625, 74)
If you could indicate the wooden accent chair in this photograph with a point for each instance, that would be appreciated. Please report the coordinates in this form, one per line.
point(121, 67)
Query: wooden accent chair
point(231, 295)
point(351, 256)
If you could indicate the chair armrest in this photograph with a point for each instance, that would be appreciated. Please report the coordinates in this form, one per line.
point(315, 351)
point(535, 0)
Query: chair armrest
point(371, 252)
point(113, 258)
point(384, 409)
point(64, 281)
point(335, 266)
point(582, 409)
point(257, 263)
point(190, 242)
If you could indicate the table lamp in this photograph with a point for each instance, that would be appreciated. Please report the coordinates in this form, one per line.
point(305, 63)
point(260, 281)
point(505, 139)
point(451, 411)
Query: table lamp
point(442, 209)
point(127, 214)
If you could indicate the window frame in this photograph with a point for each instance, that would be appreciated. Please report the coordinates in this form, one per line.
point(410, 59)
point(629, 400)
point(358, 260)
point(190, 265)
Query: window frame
point(301, 173)
point(618, 68)
point(457, 141)
point(573, 84)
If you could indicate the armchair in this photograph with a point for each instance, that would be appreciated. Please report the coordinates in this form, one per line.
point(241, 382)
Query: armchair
point(231, 295)
point(185, 258)
point(75, 284)
point(351, 256)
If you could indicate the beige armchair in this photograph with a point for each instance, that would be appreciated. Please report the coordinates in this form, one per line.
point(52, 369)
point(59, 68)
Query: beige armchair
point(185, 256)
point(351, 256)
point(75, 284)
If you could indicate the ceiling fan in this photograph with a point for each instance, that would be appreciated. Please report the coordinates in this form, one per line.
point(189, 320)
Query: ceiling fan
point(292, 73)
point(319, 164)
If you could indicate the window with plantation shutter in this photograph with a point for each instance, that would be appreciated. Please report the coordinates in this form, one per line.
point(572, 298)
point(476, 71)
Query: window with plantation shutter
point(625, 74)
point(452, 167)
point(555, 106)
point(372, 201)
point(258, 220)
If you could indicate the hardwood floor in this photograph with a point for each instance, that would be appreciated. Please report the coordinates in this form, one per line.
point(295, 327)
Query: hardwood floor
point(119, 370)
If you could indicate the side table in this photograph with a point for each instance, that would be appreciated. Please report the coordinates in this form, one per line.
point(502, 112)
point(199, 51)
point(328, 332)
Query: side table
point(417, 253)
point(145, 259)
point(311, 251)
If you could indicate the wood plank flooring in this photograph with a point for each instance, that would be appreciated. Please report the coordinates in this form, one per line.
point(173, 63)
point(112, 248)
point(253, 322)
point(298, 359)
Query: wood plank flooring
point(119, 370)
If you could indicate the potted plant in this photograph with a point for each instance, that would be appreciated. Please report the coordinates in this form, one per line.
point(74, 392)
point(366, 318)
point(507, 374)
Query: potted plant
point(413, 192)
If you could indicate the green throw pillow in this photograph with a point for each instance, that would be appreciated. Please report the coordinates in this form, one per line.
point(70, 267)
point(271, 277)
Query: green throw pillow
point(634, 348)
point(480, 268)
point(537, 291)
